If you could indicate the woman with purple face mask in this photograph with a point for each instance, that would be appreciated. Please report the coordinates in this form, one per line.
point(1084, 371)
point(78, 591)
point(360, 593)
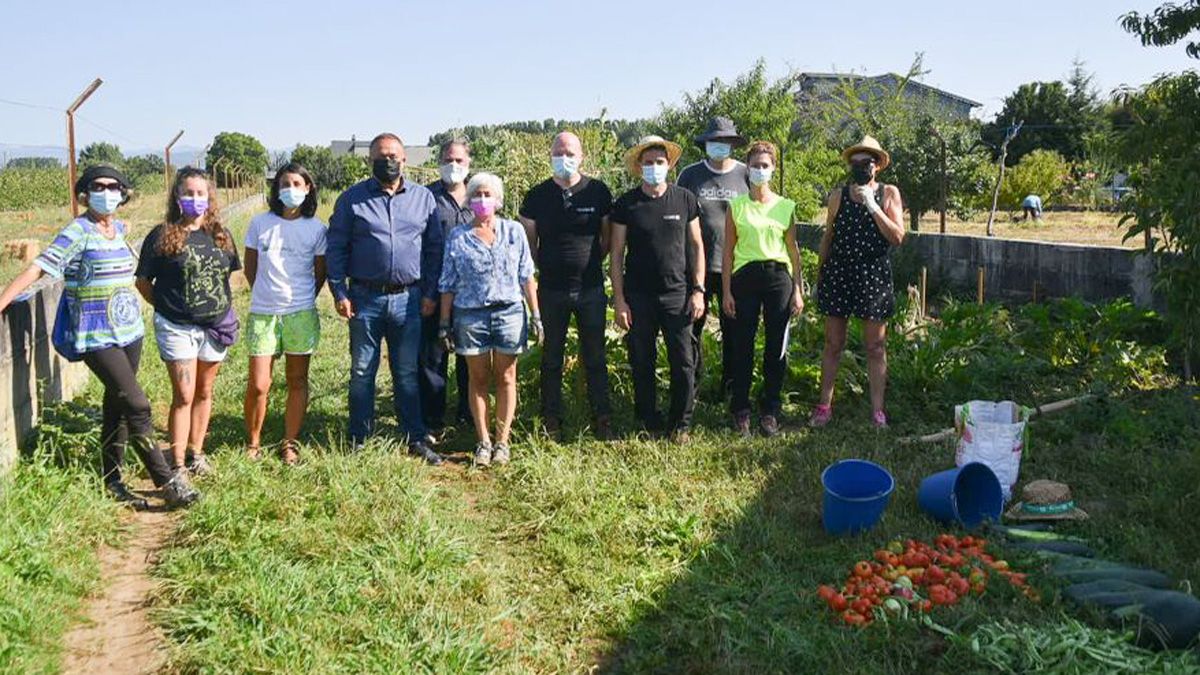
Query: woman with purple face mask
point(184, 273)
point(486, 268)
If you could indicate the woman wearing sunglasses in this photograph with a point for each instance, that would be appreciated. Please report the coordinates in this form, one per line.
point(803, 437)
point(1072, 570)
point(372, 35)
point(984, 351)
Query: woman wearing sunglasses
point(99, 322)
point(864, 222)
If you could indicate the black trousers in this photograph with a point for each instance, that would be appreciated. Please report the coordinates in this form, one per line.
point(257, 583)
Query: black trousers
point(433, 371)
point(125, 413)
point(590, 308)
point(760, 289)
point(712, 288)
point(652, 314)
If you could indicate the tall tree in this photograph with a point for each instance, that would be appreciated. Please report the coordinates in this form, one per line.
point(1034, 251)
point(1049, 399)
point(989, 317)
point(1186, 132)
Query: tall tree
point(1166, 25)
point(101, 153)
point(243, 150)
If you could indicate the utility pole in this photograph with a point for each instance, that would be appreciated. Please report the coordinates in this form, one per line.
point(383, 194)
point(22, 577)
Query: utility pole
point(71, 141)
point(167, 159)
point(1012, 133)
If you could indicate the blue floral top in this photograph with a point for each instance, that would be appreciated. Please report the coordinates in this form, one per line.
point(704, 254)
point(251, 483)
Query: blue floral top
point(480, 275)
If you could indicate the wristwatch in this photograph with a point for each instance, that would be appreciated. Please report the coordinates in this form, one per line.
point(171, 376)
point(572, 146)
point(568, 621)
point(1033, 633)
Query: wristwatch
point(699, 289)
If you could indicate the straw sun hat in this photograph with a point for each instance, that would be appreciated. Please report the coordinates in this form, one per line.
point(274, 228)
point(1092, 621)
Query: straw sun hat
point(1046, 500)
point(870, 145)
point(633, 155)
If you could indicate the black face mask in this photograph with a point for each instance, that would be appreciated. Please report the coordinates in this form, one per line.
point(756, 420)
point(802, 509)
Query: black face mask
point(861, 173)
point(385, 170)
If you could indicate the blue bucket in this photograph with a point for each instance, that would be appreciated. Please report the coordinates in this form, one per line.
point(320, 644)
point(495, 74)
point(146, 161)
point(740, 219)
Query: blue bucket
point(856, 493)
point(968, 495)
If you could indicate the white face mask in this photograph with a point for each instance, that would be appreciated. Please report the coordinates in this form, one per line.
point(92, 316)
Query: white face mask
point(717, 150)
point(564, 166)
point(655, 174)
point(293, 197)
point(453, 173)
point(760, 176)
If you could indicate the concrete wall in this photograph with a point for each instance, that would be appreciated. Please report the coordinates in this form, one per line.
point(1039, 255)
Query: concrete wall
point(32, 374)
point(1013, 266)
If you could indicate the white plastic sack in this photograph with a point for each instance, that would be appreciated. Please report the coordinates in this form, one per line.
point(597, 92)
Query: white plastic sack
point(992, 433)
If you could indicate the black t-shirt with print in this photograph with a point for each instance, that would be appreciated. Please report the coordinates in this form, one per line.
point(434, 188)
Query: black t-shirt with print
point(656, 260)
point(568, 231)
point(191, 287)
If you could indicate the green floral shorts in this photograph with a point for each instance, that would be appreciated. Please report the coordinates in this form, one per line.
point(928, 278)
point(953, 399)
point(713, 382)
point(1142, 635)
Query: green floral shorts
point(275, 334)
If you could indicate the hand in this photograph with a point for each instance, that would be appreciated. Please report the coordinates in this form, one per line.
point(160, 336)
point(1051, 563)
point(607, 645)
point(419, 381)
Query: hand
point(446, 336)
point(697, 305)
point(539, 332)
point(797, 301)
point(345, 308)
point(728, 306)
point(428, 306)
point(863, 194)
point(621, 313)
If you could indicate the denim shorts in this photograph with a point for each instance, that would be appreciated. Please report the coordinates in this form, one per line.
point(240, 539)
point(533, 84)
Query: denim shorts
point(500, 328)
point(183, 342)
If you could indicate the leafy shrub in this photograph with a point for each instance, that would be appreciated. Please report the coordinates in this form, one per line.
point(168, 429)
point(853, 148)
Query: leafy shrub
point(22, 189)
point(1041, 172)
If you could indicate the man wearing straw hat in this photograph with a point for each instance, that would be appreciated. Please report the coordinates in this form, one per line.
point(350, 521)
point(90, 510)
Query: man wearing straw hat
point(656, 230)
point(716, 181)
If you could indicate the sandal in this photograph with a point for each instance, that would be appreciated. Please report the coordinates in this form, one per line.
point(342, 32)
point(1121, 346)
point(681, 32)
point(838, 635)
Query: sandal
point(289, 452)
point(821, 415)
point(253, 453)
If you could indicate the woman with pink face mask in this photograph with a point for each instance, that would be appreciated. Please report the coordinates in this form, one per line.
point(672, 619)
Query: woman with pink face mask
point(486, 268)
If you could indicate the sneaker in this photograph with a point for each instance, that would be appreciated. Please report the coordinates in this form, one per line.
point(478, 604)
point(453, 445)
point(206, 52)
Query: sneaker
point(741, 424)
point(426, 453)
point(198, 466)
point(769, 425)
point(879, 419)
point(602, 429)
point(501, 454)
point(178, 492)
point(483, 454)
point(821, 415)
point(122, 495)
point(553, 427)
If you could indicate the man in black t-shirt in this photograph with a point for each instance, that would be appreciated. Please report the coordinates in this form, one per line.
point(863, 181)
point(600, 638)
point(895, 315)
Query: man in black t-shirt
point(566, 219)
point(657, 277)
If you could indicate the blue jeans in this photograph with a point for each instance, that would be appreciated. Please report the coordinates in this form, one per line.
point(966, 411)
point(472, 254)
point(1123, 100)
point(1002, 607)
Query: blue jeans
point(395, 318)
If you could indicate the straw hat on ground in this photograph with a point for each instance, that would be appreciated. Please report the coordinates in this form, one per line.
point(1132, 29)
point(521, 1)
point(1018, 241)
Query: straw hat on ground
point(1046, 500)
point(633, 155)
point(870, 145)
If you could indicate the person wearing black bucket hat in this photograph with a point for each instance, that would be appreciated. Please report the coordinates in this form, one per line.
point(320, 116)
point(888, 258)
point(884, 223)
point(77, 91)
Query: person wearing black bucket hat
point(716, 180)
point(99, 322)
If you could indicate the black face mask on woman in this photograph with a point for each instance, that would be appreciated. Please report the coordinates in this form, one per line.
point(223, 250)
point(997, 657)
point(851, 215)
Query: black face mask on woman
point(860, 172)
point(385, 170)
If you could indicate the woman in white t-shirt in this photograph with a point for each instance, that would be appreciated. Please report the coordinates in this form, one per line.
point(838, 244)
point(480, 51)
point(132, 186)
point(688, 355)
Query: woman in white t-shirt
point(285, 265)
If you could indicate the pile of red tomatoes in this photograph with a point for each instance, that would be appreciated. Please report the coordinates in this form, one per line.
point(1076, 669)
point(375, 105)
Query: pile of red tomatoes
point(915, 576)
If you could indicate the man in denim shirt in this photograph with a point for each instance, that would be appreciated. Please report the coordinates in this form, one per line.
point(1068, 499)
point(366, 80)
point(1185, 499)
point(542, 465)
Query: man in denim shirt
point(384, 253)
point(450, 192)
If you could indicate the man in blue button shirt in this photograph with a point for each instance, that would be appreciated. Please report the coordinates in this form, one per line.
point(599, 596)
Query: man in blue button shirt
point(384, 253)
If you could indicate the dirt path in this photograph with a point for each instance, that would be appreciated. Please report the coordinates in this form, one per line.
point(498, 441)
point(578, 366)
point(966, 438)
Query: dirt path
point(117, 636)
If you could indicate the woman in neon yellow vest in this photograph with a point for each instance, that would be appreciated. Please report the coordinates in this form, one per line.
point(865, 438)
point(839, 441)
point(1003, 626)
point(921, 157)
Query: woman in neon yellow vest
point(760, 277)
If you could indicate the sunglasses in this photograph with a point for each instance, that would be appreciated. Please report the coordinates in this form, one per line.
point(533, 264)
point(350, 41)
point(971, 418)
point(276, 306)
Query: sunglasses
point(864, 162)
point(105, 187)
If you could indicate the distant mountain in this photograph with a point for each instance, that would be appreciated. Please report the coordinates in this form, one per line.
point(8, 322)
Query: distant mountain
point(180, 156)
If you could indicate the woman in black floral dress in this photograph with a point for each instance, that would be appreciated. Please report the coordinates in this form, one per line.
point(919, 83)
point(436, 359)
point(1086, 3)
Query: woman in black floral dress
point(864, 222)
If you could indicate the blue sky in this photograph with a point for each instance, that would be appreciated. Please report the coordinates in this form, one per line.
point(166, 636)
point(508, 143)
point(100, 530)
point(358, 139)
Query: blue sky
point(309, 71)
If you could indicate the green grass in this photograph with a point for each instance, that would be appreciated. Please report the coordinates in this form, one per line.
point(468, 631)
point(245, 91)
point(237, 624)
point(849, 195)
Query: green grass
point(642, 556)
point(52, 521)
